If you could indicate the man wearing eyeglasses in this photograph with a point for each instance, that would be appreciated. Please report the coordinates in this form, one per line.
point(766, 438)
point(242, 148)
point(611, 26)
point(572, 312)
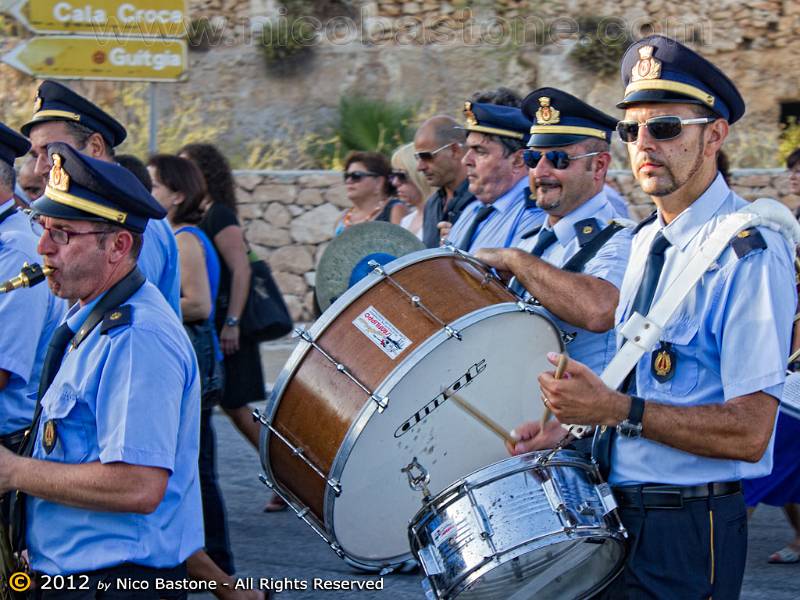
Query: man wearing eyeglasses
point(109, 473)
point(27, 317)
point(439, 148)
point(698, 411)
point(573, 265)
point(61, 115)
point(496, 172)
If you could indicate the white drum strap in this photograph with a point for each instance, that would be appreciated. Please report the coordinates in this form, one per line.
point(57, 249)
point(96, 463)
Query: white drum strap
point(641, 333)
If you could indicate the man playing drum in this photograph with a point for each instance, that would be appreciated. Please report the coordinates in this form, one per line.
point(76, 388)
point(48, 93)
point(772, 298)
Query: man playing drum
point(573, 265)
point(698, 412)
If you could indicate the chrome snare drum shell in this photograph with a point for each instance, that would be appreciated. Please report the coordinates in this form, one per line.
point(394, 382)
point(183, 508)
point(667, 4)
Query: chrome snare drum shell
point(521, 528)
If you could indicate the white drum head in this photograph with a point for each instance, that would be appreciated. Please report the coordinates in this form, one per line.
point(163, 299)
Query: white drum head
point(494, 367)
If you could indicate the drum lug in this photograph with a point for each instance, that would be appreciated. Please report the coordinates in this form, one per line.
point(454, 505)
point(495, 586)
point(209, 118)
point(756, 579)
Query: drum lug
point(381, 401)
point(568, 337)
point(430, 561)
point(419, 482)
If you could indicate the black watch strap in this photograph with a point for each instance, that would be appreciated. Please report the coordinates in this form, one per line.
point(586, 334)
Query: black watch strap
point(637, 410)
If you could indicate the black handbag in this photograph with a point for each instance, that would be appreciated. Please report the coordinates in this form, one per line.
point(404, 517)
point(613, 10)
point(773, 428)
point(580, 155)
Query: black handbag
point(265, 315)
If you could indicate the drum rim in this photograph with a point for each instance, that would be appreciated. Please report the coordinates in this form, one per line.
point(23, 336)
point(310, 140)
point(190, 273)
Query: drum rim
point(586, 532)
point(390, 381)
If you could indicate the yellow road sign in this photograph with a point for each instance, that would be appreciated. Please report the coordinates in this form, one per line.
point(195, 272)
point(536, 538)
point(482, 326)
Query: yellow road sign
point(84, 57)
point(166, 18)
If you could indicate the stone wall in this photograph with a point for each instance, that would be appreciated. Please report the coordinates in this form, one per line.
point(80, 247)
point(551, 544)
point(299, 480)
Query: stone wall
point(289, 218)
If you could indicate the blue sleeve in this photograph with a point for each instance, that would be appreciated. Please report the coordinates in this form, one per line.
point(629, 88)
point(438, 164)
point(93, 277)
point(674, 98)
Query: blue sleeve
point(611, 260)
point(139, 398)
point(755, 307)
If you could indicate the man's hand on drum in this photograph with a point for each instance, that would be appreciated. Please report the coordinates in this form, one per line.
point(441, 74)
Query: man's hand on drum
point(531, 436)
point(499, 259)
point(580, 397)
point(444, 230)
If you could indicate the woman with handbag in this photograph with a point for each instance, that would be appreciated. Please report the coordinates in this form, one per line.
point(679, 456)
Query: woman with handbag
point(179, 187)
point(244, 377)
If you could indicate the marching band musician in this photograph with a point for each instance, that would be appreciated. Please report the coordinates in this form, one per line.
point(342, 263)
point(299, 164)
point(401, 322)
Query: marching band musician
point(698, 413)
point(61, 115)
point(109, 476)
point(29, 317)
point(574, 263)
point(502, 211)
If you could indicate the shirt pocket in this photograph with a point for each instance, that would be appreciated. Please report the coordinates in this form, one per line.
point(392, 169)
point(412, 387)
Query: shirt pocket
point(70, 417)
point(682, 335)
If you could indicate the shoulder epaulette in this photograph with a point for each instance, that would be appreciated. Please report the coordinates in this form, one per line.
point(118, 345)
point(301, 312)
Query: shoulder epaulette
point(748, 240)
point(117, 317)
point(586, 230)
point(532, 232)
point(648, 219)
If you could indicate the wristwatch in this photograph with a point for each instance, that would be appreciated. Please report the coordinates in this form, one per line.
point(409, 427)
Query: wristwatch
point(632, 426)
point(232, 321)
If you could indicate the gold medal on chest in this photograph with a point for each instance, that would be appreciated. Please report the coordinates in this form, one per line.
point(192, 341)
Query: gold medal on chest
point(49, 436)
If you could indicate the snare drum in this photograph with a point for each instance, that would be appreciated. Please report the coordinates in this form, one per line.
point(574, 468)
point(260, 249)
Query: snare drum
point(522, 528)
point(364, 395)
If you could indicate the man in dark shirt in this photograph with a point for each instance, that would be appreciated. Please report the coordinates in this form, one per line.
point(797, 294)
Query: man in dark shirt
point(439, 147)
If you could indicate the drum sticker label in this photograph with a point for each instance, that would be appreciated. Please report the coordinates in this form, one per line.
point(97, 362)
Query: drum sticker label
point(460, 383)
point(381, 332)
point(444, 532)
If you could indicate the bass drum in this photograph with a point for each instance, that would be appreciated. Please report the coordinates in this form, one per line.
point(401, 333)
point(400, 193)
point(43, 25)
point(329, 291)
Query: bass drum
point(364, 396)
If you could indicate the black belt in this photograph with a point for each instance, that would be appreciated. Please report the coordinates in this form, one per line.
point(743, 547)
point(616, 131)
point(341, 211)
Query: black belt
point(671, 496)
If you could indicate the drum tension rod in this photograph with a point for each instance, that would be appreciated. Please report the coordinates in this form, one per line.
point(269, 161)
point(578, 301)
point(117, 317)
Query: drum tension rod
point(301, 513)
point(416, 301)
point(296, 451)
point(381, 401)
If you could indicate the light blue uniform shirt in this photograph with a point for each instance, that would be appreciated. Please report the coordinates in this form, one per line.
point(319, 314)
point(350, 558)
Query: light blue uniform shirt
point(503, 228)
point(28, 317)
point(130, 395)
point(158, 261)
point(593, 349)
point(731, 336)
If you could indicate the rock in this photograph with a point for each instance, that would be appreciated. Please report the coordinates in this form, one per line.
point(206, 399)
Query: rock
point(321, 180)
point(311, 278)
point(262, 233)
point(277, 215)
point(316, 225)
point(275, 193)
point(248, 181)
point(310, 197)
point(754, 180)
point(290, 284)
point(338, 196)
point(295, 306)
point(295, 210)
point(249, 211)
point(292, 259)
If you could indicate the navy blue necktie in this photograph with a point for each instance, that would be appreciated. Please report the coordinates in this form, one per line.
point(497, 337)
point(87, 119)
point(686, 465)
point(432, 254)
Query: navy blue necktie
point(55, 354)
point(604, 439)
point(480, 217)
point(547, 238)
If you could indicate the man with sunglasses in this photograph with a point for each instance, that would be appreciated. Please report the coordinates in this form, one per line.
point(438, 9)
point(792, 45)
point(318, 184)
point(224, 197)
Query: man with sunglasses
point(109, 473)
point(61, 115)
point(439, 148)
point(503, 210)
point(573, 265)
point(697, 413)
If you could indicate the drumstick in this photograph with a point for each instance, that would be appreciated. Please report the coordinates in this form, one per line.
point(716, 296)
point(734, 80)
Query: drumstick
point(482, 419)
point(562, 365)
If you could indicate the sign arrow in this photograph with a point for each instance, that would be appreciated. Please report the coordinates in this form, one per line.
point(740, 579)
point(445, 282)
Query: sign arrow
point(86, 57)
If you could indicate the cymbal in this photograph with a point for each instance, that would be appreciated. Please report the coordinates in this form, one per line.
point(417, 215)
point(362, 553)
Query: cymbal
point(344, 261)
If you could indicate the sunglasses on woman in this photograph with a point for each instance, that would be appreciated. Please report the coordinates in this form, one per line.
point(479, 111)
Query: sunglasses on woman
point(558, 158)
point(398, 177)
point(659, 128)
point(356, 176)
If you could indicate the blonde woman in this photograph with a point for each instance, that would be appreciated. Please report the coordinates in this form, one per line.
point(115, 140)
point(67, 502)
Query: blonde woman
point(412, 188)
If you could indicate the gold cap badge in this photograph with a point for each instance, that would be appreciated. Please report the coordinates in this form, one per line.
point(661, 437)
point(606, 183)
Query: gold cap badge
point(547, 115)
point(59, 179)
point(37, 104)
point(469, 115)
point(646, 67)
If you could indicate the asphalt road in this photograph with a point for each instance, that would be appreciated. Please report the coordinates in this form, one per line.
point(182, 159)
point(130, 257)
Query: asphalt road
point(286, 553)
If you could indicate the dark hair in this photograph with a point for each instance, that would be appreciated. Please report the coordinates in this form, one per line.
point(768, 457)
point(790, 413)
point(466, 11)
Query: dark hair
point(137, 167)
point(216, 171)
point(501, 96)
point(182, 176)
point(8, 176)
point(80, 134)
point(136, 245)
point(376, 163)
point(793, 159)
